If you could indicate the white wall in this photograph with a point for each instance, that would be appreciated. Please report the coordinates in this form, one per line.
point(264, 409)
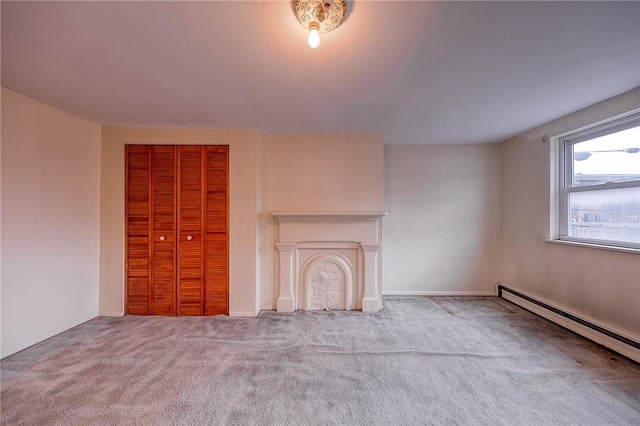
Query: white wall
point(306, 173)
point(443, 229)
point(50, 221)
point(244, 202)
point(595, 284)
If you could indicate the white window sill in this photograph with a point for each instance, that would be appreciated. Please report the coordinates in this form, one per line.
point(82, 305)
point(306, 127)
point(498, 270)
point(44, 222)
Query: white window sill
point(595, 246)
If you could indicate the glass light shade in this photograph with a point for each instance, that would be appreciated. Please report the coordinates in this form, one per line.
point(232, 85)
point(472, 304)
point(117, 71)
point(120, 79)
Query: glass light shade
point(314, 38)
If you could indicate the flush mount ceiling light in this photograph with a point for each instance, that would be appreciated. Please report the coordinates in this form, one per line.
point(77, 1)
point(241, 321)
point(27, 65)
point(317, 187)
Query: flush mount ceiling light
point(319, 16)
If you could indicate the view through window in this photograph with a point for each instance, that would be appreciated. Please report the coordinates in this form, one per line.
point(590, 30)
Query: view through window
point(601, 191)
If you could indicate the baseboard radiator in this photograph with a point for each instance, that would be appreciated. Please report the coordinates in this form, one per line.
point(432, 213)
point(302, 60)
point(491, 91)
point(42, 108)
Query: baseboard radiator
point(603, 336)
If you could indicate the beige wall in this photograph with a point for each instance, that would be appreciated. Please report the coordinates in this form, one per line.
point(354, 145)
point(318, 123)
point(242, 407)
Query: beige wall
point(333, 172)
point(62, 198)
point(443, 229)
point(50, 221)
point(599, 285)
point(244, 205)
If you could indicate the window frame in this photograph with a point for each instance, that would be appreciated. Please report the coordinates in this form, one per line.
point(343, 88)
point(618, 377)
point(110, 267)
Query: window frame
point(564, 177)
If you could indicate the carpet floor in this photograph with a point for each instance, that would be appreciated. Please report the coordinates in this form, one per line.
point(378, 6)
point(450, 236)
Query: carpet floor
point(424, 360)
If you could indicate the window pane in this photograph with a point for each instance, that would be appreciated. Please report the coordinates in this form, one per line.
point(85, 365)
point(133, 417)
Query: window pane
point(608, 215)
point(611, 158)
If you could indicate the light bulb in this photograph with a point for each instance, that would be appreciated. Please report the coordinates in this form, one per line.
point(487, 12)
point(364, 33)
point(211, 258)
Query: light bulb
point(314, 38)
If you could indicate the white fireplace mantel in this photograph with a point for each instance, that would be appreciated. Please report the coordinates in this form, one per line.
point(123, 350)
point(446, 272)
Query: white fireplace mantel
point(330, 258)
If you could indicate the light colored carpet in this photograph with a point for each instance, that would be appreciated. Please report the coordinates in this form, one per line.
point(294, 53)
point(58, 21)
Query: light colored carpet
point(470, 361)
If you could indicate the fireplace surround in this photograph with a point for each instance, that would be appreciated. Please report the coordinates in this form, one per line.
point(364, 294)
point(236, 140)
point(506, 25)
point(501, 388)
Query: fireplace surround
point(328, 260)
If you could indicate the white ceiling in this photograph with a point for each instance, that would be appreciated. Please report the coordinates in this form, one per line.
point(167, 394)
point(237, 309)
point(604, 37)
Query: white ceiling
point(417, 72)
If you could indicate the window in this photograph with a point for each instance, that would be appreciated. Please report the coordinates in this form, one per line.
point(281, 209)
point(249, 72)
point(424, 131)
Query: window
point(600, 184)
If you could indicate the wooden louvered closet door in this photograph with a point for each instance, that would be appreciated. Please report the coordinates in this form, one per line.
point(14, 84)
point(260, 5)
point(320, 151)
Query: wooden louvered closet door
point(190, 222)
point(138, 236)
point(163, 259)
point(216, 287)
point(177, 230)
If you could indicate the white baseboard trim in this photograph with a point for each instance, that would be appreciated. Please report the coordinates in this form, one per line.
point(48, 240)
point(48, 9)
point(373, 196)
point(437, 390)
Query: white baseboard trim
point(231, 314)
point(111, 313)
point(243, 314)
point(44, 336)
point(585, 331)
point(438, 293)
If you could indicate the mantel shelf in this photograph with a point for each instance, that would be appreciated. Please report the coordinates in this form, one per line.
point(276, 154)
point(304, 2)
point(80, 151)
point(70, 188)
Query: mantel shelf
point(327, 216)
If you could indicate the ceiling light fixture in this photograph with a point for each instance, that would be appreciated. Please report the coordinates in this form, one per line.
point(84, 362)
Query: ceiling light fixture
point(319, 16)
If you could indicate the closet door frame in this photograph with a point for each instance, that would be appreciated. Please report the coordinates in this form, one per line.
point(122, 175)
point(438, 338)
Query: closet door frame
point(177, 231)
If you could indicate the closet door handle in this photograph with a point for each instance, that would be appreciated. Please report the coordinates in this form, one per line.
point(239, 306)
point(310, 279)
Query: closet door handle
point(189, 238)
point(162, 238)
